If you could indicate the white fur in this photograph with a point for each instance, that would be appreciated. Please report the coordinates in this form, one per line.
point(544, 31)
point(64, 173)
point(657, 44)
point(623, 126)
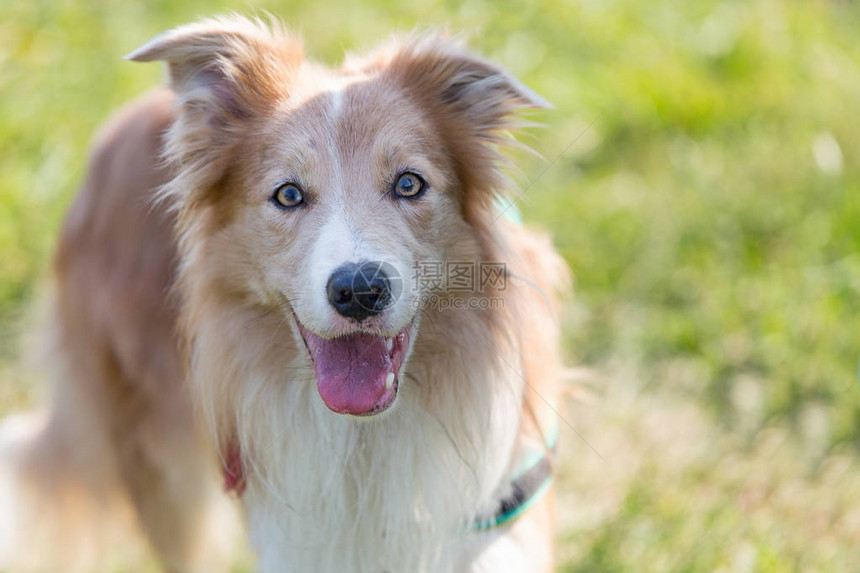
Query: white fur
point(329, 493)
point(15, 432)
point(334, 247)
point(336, 102)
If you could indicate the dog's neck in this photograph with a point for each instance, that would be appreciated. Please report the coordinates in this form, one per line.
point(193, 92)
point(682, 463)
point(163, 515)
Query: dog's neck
point(327, 492)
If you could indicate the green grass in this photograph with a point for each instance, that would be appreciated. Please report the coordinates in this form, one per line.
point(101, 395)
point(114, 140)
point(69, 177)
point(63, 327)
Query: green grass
point(708, 202)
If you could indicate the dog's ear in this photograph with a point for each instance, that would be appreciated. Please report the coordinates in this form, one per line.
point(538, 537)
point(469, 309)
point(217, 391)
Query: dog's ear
point(233, 66)
point(441, 73)
point(226, 72)
point(473, 101)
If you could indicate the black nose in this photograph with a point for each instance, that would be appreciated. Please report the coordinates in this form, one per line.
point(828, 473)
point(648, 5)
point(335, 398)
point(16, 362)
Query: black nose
point(359, 290)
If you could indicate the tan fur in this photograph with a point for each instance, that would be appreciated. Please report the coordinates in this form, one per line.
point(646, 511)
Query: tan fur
point(245, 112)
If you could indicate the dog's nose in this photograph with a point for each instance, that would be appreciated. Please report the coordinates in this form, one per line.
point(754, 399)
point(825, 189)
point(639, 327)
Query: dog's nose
point(359, 290)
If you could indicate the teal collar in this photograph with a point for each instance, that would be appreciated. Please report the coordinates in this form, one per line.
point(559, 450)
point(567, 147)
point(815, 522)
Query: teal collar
point(529, 483)
point(508, 209)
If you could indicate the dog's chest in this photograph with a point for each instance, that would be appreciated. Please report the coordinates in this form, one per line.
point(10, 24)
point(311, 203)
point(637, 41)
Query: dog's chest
point(338, 495)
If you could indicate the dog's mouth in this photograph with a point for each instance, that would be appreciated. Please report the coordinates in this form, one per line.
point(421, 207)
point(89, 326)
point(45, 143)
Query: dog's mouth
point(357, 373)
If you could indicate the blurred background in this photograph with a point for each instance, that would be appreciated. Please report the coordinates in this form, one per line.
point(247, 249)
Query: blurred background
point(700, 175)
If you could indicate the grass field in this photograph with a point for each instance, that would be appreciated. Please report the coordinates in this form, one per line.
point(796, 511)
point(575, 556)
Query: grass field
point(700, 177)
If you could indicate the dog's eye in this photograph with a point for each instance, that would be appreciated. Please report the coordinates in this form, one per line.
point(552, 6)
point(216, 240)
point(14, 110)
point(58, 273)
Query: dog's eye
point(409, 185)
point(288, 195)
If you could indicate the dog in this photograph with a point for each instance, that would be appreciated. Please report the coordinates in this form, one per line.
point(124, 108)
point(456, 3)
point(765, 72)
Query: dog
point(300, 285)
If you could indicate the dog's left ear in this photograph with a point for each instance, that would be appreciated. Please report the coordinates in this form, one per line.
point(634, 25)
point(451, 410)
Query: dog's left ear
point(473, 102)
point(446, 77)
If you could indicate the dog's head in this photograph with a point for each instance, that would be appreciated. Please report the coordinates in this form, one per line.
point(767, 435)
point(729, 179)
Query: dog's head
point(319, 192)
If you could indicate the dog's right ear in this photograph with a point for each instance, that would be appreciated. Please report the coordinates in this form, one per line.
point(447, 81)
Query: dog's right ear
point(225, 72)
point(240, 66)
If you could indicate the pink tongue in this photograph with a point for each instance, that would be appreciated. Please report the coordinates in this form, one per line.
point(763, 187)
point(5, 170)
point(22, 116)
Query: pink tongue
point(350, 371)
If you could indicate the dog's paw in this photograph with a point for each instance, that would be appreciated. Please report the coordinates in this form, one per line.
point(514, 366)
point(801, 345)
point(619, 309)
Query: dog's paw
point(17, 436)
